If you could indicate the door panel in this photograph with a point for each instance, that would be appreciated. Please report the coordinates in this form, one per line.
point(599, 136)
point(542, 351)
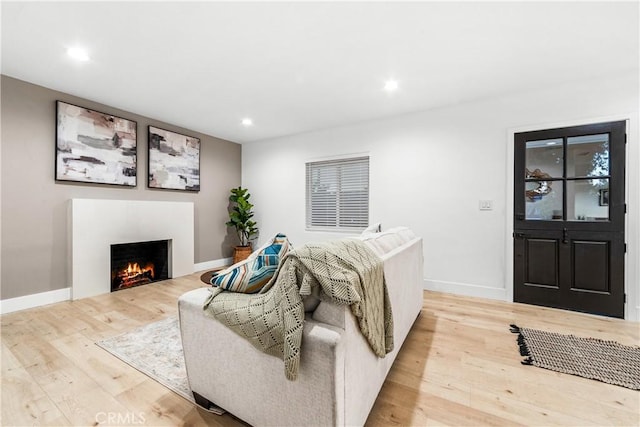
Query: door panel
point(597, 273)
point(542, 262)
point(590, 266)
point(537, 258)
point(569, 218)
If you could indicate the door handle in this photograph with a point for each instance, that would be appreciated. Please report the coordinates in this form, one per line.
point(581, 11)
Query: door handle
point(565, 236)
point(519, 235)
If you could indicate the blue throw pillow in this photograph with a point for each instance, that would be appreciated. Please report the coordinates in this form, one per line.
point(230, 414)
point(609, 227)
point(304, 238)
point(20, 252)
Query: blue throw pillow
point(249, 276)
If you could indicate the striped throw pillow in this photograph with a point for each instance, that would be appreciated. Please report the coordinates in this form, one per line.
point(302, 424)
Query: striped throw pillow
point(250, 275)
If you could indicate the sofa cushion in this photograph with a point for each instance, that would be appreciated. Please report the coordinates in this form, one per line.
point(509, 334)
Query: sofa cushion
point(372, 229)
point(250, 275)
point(386, 241)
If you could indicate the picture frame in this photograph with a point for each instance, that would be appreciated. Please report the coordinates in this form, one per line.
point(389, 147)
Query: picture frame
point(603, 197)
point(94, 147)
point(173, 160)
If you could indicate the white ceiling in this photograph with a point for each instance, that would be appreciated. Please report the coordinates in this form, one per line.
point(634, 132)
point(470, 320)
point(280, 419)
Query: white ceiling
point(295, 67)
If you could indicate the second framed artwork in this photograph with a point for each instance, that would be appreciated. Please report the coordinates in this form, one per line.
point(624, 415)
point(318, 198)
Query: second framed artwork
point(174, 160)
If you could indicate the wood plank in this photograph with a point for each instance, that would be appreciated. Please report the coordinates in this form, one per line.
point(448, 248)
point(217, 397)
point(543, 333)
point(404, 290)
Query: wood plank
point(112, 374)
point(460, 365)
point(23, 401)
point(80, 399)
point(164, 409)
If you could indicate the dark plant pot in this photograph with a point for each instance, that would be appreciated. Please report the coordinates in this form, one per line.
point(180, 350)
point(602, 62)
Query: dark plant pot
point(240, 253)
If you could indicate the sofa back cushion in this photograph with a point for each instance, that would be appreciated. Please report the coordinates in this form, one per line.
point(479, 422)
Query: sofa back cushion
point(380, 242)
point(250, 275)
point(386, 241)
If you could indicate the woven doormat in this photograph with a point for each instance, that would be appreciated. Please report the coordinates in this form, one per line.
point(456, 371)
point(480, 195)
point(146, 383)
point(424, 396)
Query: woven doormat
point(606, 361)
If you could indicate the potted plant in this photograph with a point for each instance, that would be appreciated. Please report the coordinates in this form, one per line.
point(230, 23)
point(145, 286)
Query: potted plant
point(240, 218)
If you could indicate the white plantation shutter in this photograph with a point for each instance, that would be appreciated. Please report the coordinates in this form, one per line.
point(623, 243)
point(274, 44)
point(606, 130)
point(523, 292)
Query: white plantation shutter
point(338, 193)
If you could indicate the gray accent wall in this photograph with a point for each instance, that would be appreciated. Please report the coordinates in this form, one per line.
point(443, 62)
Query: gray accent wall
point(34, 206)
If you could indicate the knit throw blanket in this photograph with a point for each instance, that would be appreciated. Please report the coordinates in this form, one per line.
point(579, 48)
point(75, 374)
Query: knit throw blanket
point(344, 272)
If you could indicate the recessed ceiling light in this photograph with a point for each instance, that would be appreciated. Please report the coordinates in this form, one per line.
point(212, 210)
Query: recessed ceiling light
point(78, 54)
point(247, 122)
point(390, 85)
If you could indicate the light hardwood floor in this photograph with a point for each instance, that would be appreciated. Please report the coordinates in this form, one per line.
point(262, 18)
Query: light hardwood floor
point(459, 366)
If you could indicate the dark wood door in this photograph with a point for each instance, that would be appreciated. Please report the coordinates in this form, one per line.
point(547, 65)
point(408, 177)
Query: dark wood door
point(569, 211)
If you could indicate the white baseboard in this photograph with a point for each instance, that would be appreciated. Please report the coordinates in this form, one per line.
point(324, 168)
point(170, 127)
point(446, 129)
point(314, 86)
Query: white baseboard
point(479, 291)
point(466, 289)
point(216, 263)
point(51, 297)
point(36, 300)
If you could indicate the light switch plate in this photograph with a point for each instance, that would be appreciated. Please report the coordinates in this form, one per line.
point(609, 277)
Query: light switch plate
point(485, 205)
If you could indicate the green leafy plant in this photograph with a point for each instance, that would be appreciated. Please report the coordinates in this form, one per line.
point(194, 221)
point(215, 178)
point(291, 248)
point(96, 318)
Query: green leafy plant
point(241, 214)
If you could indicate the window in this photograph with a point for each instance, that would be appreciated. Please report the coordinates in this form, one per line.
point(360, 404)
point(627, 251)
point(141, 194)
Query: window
point(338, 194)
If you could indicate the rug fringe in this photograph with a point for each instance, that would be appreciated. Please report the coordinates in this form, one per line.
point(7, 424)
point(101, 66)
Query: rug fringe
point(527, 361)
point(524, 350)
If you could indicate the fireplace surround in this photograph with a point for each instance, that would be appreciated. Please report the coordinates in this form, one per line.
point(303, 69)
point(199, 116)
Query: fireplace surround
point(96, 224)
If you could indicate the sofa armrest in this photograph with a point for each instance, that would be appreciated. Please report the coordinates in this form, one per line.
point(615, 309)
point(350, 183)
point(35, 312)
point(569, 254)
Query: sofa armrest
point(217, 357)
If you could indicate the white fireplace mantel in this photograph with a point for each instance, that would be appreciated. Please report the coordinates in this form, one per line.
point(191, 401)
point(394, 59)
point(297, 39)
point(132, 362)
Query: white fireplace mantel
point(96, 224)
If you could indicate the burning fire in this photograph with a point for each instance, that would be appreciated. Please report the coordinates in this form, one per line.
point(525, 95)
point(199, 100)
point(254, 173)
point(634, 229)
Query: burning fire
point(134, 275)
point(134, 269)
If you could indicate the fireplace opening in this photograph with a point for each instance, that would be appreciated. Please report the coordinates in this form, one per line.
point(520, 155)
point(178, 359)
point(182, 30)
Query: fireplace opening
point(139, 263)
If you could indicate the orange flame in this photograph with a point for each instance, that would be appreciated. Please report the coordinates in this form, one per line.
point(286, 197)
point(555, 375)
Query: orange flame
point(133, 273)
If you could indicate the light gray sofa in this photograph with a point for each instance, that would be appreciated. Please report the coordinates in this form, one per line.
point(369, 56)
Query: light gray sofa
point(339, 376)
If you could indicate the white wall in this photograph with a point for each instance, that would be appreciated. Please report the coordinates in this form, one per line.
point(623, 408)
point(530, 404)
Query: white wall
point(428, 171)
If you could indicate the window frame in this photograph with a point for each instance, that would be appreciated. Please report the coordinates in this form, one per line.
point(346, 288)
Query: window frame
point(332, 162)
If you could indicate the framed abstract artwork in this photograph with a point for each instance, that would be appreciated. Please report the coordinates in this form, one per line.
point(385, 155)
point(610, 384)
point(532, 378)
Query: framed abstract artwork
point(94, 147)
point(174, 160)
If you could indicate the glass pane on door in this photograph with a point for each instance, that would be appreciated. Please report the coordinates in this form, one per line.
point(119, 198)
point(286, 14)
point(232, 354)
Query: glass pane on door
point(544, 158)
point(543, 200)
point(588, 200)
point(588, 155)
